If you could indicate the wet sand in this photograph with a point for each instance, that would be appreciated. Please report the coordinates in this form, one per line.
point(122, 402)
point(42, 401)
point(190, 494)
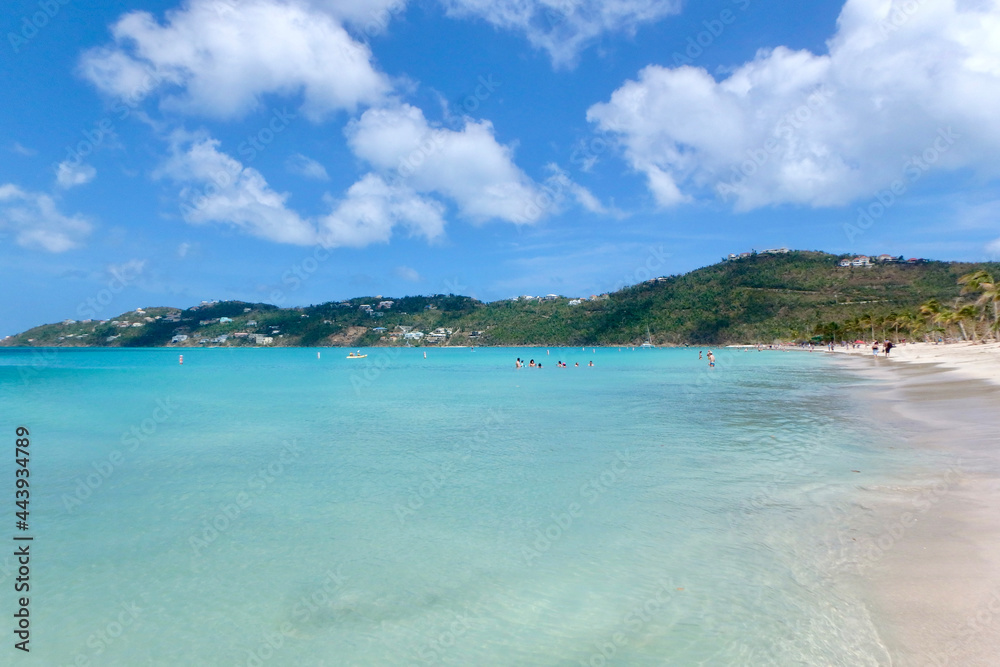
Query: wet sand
point(926, 551)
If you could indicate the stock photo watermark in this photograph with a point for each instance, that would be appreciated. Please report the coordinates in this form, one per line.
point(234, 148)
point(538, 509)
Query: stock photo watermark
point(784, 129)
point(697, 44)
point(561, 522)
point(229, 512)
point(436, 480)
point(121, 278)
point(319, 599)
point(32, 24)
point(914, 169)
point(131, 440)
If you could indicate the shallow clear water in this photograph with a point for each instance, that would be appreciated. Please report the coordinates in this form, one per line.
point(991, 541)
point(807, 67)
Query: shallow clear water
point(263, 506)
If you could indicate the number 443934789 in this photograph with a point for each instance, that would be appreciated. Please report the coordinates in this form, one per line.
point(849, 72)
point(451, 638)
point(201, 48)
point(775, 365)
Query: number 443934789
point(21, 458)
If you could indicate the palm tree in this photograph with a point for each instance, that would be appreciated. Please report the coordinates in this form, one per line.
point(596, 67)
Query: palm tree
point(868, 320)
point(929, 311)
point(896, 320)
point(933, 311)
point(960, 315)
point(982, 281)
point(890, 321)
point(849, 329)
point(907, 321)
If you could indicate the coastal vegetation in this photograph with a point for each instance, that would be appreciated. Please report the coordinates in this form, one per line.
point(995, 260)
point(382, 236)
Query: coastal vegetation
point(957, 319)
point(758, 298)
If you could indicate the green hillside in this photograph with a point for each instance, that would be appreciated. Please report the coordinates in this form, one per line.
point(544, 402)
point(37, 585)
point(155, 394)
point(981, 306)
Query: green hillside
point(760, 298)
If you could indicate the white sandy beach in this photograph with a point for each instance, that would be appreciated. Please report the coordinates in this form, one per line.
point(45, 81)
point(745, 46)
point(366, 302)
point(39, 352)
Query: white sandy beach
point(972, 360)
point(935, 586)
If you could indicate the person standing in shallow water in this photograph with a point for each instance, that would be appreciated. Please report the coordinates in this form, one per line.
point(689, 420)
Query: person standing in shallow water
point(711, 359)
point(699, 355)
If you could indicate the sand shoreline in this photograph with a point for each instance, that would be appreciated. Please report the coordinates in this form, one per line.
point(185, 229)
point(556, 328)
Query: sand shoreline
point(930, 564)
point(972, 360)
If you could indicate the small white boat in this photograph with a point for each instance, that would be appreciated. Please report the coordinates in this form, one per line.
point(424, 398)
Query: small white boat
point(649, 340)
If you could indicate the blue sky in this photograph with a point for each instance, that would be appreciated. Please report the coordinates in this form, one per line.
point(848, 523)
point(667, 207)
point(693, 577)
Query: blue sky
point(301, 151)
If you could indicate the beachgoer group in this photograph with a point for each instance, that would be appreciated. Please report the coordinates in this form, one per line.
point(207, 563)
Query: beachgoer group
point(519, 363)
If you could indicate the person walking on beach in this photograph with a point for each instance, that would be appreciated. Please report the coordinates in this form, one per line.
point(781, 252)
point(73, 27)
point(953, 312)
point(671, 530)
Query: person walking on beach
point(888, 346)
point(875, 348)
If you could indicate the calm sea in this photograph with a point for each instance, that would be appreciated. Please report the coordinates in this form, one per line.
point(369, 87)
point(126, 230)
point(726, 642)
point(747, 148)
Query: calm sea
point(268, 507)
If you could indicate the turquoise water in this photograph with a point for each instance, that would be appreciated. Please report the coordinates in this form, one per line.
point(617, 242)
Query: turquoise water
point(263, 506)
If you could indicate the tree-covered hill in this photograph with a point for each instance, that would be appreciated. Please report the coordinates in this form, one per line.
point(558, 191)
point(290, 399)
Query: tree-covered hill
point(759, 298)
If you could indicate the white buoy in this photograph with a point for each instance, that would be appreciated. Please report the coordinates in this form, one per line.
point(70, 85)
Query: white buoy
point(317, 355)
point(181, 361)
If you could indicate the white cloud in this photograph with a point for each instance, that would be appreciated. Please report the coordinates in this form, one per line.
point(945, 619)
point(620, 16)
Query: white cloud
point(20, 149)
point(468, 166)
point(305, 166)
point(993, 248)
point(223, 59)
point(128, 271)
point(409, 274)
point(561, 188)
point(35, 221)
point(823, 130)
point(372, 208)
point(70, 174)
point(370, 17)
point(218, 189)
point(563, 28)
